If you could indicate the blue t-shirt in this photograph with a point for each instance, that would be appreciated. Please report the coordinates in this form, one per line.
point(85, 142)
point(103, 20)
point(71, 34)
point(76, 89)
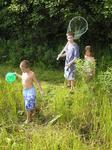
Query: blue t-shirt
point(72, 52)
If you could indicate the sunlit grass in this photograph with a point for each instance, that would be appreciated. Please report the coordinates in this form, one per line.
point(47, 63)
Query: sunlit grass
point(85, 121)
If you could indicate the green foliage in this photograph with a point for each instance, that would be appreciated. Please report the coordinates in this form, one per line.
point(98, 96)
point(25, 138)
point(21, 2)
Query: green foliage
point(105, 79)
point(107, 8)
point(31, 24)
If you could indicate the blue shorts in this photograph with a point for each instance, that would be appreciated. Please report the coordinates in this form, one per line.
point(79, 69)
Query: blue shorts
point(69, 73)
point(29, 98)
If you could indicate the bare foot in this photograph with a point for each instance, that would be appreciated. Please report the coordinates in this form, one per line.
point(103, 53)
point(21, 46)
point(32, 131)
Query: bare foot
point(36, 110)
point(68, 85)
point(27, 121)
point(33, 113)
point(71, 91)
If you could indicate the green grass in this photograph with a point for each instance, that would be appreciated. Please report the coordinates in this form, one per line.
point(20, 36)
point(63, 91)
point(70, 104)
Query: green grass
point(85, 121)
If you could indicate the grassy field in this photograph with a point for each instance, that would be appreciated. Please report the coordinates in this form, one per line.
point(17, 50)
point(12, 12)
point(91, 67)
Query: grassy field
point(78, 121)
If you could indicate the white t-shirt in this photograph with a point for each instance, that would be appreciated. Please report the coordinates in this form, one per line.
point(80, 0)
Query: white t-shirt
point(89, 64)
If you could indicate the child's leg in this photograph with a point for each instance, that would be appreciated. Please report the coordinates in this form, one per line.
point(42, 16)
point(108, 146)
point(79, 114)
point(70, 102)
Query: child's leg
point(68, 83)
point(72, 84)
point(34, 111)
point(29, 116)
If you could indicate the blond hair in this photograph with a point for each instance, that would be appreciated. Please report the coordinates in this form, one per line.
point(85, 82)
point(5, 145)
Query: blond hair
point(25, 63)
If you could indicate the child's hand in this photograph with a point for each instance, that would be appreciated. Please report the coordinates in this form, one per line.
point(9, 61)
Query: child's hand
point(15, 73)
point(18, 75)
point(68, 65)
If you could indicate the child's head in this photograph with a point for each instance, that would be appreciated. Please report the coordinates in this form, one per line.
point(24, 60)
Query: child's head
point(24, 65)
point(70, 36)
point(88, 51)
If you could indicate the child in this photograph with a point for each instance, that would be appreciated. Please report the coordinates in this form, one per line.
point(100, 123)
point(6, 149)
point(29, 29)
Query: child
point(28, 77)
point(89, 64)
point(71, 51)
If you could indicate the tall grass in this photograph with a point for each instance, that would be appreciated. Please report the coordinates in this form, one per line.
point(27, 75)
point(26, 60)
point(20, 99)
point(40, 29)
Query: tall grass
point(85, 121)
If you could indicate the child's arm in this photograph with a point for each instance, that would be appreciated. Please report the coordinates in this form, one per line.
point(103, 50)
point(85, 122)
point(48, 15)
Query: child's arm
point(76, 56)
point(38, 84)
point(62, 53)
point(71, 62)
point(18, 75)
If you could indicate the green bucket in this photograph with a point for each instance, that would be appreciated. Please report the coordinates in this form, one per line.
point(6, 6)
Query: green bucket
point(10, 77)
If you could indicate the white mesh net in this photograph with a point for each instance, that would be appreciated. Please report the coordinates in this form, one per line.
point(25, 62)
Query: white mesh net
point(78, 25)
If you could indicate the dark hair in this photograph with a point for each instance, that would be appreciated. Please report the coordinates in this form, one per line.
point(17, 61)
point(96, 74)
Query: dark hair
point(25, 63)
point(88, 47)
point(70, 33)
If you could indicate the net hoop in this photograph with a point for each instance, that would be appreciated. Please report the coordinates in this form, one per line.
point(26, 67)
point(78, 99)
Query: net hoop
point(80, 31)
